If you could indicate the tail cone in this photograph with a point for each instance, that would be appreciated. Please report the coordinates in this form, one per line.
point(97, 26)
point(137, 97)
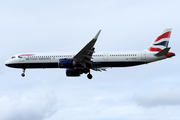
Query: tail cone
point(170, 54)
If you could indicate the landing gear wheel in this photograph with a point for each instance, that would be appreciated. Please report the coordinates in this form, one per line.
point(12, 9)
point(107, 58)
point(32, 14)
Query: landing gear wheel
point(22, 74)
point(89, 76)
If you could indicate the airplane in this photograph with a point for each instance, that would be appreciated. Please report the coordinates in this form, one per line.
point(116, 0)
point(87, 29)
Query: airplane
point(86, 59)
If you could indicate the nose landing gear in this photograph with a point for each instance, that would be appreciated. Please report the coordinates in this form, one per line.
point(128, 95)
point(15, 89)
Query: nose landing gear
point(23, 73)
point(89, 76)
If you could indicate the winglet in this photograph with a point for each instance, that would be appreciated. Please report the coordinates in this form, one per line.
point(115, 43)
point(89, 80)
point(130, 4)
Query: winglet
point(96, 37)
point(163, 52)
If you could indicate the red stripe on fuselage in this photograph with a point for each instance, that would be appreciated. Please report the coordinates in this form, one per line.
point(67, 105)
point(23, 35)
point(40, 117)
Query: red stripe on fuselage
point(26, 55)
point(165, 35)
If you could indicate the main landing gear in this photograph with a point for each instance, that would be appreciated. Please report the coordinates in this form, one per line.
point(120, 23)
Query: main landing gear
point(23, 73)
point(87, 70)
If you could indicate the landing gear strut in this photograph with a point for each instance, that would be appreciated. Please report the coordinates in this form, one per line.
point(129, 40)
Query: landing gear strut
point(23, 73)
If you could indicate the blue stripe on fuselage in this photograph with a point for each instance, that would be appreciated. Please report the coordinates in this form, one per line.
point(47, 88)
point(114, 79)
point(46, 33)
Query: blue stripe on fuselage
point(55, 64)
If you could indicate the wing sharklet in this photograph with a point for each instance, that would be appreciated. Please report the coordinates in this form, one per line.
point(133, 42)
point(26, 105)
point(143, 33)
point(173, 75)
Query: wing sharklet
point(97, 35)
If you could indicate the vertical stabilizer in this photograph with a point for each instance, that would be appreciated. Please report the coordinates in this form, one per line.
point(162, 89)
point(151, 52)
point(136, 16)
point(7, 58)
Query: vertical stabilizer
point(161, 41)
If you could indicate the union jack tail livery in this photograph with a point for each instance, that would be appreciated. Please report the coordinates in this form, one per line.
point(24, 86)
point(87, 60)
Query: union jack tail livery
point(161, 42)
point(160, 45)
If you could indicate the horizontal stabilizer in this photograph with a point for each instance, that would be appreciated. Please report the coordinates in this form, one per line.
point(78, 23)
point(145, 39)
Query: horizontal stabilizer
point(163, 52)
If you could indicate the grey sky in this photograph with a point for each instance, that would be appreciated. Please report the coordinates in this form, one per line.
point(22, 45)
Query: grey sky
point(136, 93)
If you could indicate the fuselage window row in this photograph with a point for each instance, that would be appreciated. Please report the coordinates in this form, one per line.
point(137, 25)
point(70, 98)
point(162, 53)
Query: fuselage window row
point(71, 56)
point(47, 56)
point(124, 55)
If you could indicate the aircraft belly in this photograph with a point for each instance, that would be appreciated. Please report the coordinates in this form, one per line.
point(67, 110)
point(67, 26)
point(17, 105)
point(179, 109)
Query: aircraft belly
point(118, 64)
point(34, 65)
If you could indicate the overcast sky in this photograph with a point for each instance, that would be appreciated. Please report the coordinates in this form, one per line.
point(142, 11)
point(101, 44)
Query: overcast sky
point(146, 92)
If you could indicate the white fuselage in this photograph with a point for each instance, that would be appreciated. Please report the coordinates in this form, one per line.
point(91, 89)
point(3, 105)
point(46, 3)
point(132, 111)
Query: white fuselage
point(103, 59)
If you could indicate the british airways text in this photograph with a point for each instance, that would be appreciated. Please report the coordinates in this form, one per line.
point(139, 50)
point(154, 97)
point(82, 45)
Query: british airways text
point(41, 58)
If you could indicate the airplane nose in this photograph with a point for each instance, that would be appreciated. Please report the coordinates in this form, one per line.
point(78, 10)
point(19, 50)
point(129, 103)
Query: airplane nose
point(7, 63)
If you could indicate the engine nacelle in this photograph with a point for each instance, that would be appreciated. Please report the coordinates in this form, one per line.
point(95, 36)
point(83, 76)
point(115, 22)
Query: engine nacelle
point(72, 72)
point(65, 63)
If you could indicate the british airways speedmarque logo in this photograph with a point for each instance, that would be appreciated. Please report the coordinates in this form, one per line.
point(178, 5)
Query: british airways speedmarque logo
point(21, 56)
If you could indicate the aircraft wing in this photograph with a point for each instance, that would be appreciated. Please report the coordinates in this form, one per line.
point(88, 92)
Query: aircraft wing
point(84, 56)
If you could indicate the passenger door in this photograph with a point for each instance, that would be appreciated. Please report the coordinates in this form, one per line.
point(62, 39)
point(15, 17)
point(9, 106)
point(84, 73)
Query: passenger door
point(105, 56)
point(143, 55)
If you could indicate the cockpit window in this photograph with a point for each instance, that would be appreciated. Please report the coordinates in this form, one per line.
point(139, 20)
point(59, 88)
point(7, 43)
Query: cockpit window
point(13, 57)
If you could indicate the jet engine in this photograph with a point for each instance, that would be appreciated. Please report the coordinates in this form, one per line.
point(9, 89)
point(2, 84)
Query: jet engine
point(65, 63)
point(72, 72)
